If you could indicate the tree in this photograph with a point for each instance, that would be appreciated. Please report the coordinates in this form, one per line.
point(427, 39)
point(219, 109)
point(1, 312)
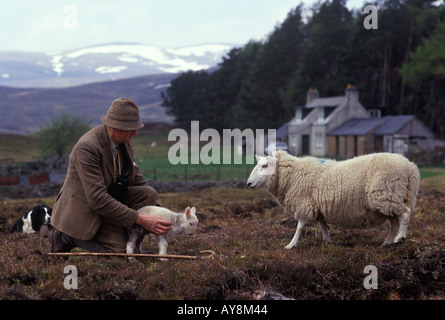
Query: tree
point(61, 132)
point(184, 99)
point(428, 61)
point(223, 87)
point(425, 72)
point(259, 103)
point(323, 65)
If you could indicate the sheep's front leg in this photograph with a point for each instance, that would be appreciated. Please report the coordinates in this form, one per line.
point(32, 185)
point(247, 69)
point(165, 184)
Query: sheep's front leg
point(404, 221)
point(162, 244)
point(395, 224)
point(300, 227)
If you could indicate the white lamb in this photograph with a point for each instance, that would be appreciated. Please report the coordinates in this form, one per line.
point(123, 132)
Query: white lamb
point(183, 222)
point(363, 192)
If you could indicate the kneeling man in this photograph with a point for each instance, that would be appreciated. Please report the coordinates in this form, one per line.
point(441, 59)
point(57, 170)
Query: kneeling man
point(103, 188)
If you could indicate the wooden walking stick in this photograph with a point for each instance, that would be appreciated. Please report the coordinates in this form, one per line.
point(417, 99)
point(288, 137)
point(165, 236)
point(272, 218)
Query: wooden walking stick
point(209, 254)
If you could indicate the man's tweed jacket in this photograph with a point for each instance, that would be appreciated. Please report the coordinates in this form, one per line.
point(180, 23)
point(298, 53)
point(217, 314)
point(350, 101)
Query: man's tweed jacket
point(83, 201)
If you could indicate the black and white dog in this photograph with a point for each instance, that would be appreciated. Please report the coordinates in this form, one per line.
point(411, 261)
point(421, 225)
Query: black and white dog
point(33, 220)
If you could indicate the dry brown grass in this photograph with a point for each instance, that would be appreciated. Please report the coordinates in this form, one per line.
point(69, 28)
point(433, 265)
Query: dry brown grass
point(248, 233)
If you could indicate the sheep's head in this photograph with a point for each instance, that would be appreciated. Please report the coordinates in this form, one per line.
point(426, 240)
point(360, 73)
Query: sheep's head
point(265, 167)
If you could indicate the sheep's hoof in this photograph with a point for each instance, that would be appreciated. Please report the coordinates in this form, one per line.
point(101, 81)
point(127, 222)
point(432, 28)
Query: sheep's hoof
point(399, 240)
point(288, 247)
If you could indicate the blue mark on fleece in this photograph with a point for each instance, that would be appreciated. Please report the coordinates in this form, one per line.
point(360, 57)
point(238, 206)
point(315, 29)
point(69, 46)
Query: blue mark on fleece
point(322, 161)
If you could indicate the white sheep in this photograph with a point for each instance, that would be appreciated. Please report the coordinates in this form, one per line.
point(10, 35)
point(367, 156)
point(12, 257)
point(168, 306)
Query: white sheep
point(363, 192)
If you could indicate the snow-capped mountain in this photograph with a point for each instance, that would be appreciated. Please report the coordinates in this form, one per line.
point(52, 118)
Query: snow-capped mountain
point(103, 63)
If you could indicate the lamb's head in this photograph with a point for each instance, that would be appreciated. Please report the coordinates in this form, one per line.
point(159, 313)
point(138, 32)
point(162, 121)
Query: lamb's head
point(265, 167)
point(190, 222)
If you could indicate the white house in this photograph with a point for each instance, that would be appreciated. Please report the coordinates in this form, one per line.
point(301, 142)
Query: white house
point(307, 131)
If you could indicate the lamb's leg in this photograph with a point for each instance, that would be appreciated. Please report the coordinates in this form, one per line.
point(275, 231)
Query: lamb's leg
point(139, 243)
point(404, 221)
point(324, 231)
point(131, 245)
point(395, 224)
point(135, 238)
point(162, 244)
point(297, 235)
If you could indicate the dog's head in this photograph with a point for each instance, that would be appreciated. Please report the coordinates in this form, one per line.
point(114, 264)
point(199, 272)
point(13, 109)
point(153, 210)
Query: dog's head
point(40, 216)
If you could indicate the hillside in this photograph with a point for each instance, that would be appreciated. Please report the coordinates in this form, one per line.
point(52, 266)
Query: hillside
point(103, 63)
point(26, 110)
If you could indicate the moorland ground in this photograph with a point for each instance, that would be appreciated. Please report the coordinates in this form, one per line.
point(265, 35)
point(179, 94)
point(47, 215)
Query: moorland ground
point(248, 233)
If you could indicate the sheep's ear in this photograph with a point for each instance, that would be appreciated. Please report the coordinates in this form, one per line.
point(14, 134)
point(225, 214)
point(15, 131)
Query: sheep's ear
point(187, 212)
point(274, 153)
point(193, 210)
point(272, 164)
point(257, 157)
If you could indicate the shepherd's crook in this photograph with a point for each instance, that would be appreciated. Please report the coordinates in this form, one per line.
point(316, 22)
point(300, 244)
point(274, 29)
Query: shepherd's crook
point(210, 254)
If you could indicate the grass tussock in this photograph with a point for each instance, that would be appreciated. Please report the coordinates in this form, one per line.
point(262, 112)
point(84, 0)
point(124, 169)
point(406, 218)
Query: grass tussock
point(248, 232)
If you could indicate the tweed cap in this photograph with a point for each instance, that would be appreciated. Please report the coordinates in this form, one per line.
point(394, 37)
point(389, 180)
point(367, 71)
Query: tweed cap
point(123, 114)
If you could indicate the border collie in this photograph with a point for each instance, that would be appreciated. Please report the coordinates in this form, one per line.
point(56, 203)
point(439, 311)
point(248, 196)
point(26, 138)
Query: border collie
point(33, 220)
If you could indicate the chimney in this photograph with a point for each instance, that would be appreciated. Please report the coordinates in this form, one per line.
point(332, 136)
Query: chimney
point(298, 114)
point(311, 95)
point(351, 94)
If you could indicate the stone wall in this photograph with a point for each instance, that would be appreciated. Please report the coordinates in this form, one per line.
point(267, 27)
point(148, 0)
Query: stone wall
point(51, 189)
point(433, 157)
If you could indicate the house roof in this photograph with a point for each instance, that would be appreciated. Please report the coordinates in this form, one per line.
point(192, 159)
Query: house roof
point(383, 126)
point(282, 131)
point(327, 102)
point(393, 124)
point(357, 127)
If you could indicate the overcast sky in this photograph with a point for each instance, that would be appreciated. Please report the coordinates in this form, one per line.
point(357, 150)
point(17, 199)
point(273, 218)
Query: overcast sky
point(53, 25)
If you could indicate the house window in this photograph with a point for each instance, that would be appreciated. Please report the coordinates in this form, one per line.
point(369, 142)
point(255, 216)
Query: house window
point(320, 114)
point(375, 113)
point(318, 140)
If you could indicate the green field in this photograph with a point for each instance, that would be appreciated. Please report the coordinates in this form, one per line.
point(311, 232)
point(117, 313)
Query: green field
point(432, 178)
point(159, 168)
point(151, 148)
point(19, 148)
point(431, 172)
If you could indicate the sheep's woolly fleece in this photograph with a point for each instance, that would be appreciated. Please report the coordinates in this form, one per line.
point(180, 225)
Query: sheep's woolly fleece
point(358, 193)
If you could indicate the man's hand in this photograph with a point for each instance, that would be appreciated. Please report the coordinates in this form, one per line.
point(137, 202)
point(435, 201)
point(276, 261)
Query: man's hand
point(153, 224)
